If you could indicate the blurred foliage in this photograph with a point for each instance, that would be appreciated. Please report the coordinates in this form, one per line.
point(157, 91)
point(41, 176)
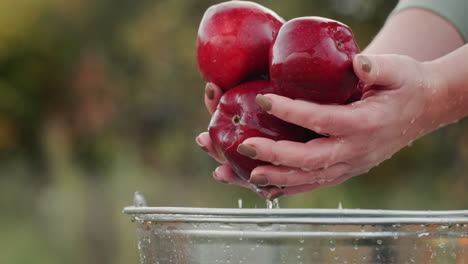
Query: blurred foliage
point(99, 99)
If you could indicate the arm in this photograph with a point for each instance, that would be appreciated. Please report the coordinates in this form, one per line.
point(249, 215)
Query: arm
point(451, 72)
point(418, 33)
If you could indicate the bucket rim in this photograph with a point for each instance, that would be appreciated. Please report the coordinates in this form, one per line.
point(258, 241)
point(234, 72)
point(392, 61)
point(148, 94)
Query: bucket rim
point(296, 215)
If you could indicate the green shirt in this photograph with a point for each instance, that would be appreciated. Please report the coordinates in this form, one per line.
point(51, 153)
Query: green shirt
point(454, 11)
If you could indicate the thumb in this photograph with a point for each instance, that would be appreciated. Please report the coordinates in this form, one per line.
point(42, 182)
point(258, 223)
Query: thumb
point(388, 70)
point(212, 96)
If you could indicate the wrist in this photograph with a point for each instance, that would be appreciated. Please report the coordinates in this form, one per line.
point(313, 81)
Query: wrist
point(447, 100)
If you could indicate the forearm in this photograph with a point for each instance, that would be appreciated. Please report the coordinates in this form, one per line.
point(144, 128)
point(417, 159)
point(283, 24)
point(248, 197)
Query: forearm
point(451, 79)
point(418, 33)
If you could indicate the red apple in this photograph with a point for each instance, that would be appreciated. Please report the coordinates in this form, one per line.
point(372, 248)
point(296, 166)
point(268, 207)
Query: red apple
point(357, 94)
point(311, 59)
point(238, 117)
point(234, 39)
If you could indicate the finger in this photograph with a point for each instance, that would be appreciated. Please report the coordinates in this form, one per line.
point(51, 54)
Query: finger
point(323, 119)
point(212, 95)
point(289, 191)
point(204, 142)
point(226, 174)
point(389, 70)
point(285, 176)
point(315, 154)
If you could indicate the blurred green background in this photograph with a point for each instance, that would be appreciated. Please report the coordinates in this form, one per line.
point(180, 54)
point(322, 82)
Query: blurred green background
point(99, 99)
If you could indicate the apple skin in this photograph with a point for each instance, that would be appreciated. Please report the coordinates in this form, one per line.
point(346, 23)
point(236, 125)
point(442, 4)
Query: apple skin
point(234, 40)
point(239, 117)
point(357, 94)
point(311, 59)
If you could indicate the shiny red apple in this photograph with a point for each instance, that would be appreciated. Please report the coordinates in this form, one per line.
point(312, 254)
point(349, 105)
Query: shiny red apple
point(238, 117)
point(233, 43)
point(311, 59)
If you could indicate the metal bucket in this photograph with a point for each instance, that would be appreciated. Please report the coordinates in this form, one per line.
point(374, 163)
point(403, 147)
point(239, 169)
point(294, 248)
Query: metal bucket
point(266, 236)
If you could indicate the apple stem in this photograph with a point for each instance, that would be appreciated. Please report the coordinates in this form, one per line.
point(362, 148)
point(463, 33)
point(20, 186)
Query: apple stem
point(236, 120)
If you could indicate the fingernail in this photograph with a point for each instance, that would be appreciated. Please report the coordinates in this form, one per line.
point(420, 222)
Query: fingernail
point(200, 144)
point(275, 195)
point(247, 150)
point(263, 101)
point(260, 180)
point(209, 91)
point(365, 63)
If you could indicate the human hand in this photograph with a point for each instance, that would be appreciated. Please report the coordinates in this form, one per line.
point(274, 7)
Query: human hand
point(404, 103)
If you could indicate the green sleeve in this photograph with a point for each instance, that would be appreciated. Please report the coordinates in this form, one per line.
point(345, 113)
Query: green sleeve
point(454, 11)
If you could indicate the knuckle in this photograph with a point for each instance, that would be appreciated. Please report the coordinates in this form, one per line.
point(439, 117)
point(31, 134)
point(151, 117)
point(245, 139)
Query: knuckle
point(276, 150)
point(288, 180)
point(307, 161)
point(370, 122)
point(273, 156)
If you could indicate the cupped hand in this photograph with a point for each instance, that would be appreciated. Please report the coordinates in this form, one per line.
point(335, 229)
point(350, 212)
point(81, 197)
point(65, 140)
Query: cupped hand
point(402, 105)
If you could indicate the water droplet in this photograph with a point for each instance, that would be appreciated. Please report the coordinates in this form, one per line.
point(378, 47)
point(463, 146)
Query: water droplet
point(379, 242)
point(317, 129)
point(423, 234)
point(239, 203)
point(301, 241)
point(306, 169)
point(413, 120)
point(301, 249)
point(332, 249)
point(340, 205)
point(276, 204)
point(410, 143)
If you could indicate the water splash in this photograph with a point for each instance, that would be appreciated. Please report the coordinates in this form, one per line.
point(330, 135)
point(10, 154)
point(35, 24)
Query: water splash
point(272, 204)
